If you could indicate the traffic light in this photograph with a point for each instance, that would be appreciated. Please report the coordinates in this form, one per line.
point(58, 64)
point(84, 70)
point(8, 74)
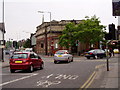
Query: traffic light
point(112, 32)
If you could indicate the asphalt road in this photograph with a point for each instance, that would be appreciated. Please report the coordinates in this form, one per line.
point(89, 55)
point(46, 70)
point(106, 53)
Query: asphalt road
point(64, 75)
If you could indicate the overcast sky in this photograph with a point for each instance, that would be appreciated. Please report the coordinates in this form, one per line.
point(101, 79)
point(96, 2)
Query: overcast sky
point(21, 16)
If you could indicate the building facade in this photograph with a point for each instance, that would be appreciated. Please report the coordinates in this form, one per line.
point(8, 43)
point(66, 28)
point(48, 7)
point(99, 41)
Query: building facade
point(47, 36)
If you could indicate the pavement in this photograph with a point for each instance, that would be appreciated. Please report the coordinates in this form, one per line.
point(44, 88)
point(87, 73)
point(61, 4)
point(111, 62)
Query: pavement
point(110, 79)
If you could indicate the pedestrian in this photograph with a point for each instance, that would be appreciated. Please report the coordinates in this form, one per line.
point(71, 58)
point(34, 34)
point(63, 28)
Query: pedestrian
point(111, 51)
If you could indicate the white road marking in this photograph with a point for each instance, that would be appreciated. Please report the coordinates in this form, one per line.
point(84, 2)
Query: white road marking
point(17, 79)
point(70, 77)
point(46, 83)
point(49, 75)
point(17, 74)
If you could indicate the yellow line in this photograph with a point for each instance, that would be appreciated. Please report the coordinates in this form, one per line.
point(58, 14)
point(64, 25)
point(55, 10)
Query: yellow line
point(83, 86)
point(91, 78)
point(91, 81)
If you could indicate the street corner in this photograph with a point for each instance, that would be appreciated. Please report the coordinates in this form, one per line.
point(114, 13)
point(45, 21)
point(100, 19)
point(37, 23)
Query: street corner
point(96, 78)
point(104, 78)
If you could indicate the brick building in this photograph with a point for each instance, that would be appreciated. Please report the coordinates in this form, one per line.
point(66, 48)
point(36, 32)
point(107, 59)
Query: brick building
point(47, 35)
point(47, 38)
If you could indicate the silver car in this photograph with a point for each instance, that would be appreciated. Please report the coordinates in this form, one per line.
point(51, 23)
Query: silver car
point(62, 55)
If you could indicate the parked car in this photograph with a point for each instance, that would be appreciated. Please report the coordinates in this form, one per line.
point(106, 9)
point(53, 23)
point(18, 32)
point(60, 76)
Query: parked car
point(25, 61)
point(95, 53)
point(62, 55)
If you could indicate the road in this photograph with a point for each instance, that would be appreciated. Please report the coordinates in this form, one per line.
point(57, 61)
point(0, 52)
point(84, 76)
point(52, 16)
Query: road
point(78, 74)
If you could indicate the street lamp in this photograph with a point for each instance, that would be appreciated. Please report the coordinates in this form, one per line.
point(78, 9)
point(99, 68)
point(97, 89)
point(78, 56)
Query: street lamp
point(43, 17)
point(3, 33)
point(46, 41)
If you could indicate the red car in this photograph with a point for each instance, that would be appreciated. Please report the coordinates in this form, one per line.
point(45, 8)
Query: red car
point(25, 61)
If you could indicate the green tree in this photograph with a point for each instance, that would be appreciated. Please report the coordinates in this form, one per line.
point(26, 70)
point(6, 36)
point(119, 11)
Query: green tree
point(68, 38)
point(8, 44)
point(27, 44)
point(90, 31)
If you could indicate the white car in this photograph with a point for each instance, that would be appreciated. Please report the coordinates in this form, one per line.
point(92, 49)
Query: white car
point(62, 55)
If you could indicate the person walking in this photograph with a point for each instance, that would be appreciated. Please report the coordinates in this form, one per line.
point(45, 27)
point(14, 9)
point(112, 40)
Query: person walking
point(111, 51)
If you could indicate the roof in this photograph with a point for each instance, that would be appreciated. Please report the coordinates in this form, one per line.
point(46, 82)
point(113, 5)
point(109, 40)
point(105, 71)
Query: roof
point(2, 27)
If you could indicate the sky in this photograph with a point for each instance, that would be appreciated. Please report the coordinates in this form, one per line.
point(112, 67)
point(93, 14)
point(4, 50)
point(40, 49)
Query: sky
point(21, 16)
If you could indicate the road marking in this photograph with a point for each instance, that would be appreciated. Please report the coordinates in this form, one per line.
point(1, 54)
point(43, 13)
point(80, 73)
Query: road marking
point(17, 74)
point(46, 83)
point(92, 77)
point(87, 82)
point(49, 76)
point(91, 80)
point(17, 79)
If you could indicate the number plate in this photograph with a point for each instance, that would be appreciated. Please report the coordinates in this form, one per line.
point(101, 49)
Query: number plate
point(18, 61)
point(59, 55)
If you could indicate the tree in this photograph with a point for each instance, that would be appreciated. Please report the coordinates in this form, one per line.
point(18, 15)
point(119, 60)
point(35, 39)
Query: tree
point(67, 39)
point(89, 31)
point(27, 44)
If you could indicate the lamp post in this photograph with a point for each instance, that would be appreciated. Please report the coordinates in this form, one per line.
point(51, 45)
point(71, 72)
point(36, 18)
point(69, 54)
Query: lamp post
point(3, 34)
point(43, 17)
point(46, 40)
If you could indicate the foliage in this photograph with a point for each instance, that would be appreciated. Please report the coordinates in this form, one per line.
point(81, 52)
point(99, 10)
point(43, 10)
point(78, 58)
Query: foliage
point(68, 38)
point(8, 44)
point(27, 44)
point(88, 31)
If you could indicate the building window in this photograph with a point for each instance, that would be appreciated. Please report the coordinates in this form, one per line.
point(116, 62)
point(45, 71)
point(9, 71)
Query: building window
point(42, 45)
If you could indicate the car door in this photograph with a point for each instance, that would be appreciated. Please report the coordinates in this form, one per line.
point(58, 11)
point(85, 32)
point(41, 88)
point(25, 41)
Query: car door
point(37, 60)
point(69, 55)
point(99, 53)
point(103, 54)
point(33, 60)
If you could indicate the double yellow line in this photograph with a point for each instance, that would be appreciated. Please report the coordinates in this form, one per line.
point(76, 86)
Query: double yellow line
point(89, 81)
point(91, 78)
